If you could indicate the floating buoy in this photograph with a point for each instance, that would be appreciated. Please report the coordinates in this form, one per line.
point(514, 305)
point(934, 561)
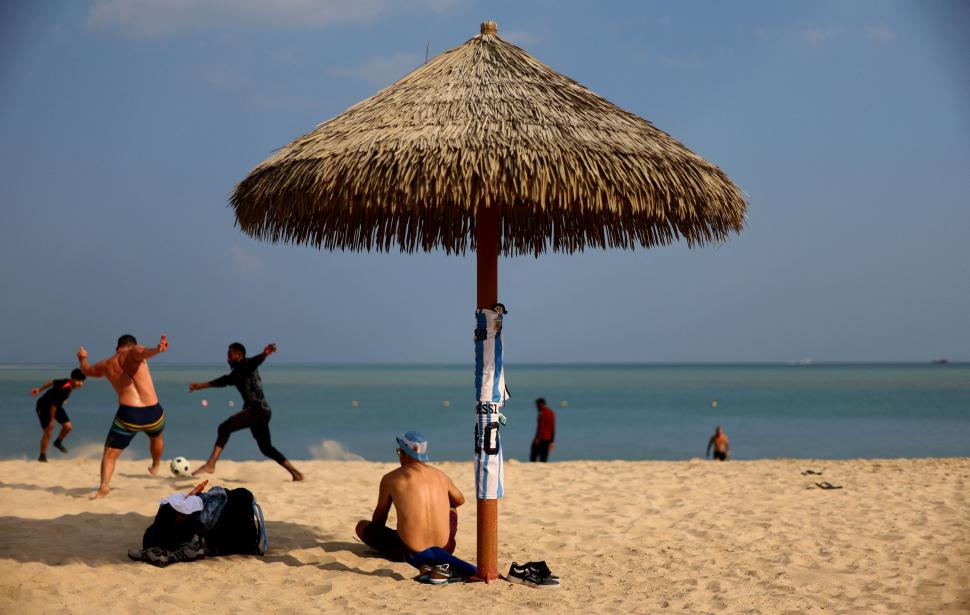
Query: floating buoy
point(232, 404)
point(563, 403)
point(354, 403)
point(446, 403)
point(714, 404)
point(204, 403)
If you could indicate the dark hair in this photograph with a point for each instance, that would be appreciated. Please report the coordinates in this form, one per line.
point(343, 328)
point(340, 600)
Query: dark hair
point(126, 340)
point(540, 401)
point(238, 346)
point(77, 374)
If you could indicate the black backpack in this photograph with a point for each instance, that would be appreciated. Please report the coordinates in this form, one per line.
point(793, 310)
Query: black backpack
point(239, 530)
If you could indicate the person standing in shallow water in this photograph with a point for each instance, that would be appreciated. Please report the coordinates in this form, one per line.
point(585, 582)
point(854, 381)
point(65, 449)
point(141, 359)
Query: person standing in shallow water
point(50, 408)
point(542, 443)
point(255, 414)
point(721, 445)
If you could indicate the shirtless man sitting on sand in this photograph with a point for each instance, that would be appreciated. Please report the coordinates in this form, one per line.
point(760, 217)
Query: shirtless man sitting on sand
point(425, 500)
point(138, 408)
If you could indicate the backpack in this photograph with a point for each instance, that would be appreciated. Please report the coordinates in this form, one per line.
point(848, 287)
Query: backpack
point(231, 523)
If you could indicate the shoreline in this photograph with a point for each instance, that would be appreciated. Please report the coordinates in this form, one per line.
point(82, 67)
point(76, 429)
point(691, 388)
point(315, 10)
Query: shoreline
point(635, 536)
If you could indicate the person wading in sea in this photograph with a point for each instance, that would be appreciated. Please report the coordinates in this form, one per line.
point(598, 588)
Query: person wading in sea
point(721, 445)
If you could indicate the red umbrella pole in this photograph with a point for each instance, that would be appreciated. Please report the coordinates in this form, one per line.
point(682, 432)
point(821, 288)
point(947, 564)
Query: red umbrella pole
point(487, 234)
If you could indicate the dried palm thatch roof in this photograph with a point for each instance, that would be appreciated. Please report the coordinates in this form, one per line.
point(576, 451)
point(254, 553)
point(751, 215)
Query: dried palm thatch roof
point(487, 124)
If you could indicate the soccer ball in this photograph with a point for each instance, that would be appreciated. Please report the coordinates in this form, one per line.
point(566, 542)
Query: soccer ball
point(180, 466)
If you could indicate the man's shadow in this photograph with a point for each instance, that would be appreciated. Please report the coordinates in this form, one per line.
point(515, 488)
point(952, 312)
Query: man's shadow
point(359, 549)
point(177, 481)
point(74, 492)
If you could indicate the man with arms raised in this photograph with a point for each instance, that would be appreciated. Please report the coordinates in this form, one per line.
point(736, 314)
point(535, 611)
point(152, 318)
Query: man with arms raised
point(138, 408)
point(425, 500)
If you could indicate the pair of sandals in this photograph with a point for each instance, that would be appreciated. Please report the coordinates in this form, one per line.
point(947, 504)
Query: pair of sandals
point(822, 485)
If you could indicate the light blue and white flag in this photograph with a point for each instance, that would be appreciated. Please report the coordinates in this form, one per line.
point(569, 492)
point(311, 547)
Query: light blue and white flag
point(489, 465)
point(490, 395)
point(489, 371)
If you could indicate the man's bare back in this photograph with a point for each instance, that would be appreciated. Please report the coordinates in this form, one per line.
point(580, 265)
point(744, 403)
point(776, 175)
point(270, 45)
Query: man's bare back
point(427, 522)
point(422, 496)
point(128, 373)
point(138, 408)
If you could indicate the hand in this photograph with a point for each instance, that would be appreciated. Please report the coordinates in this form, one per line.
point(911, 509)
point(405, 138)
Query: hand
point(270, 349)
point(195, 386)
point(162, 344)
point(34, 392)
point(82, 353)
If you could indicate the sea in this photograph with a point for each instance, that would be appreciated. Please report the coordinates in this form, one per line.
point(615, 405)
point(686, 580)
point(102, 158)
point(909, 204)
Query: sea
point(632, 412)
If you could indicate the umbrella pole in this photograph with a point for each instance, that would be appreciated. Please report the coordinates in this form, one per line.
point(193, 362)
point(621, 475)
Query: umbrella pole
point(487, 236)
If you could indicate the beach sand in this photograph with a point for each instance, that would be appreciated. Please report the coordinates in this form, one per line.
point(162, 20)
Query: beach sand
point(638, 537)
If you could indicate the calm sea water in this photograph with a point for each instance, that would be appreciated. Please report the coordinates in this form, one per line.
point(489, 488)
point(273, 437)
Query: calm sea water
point(612, 412)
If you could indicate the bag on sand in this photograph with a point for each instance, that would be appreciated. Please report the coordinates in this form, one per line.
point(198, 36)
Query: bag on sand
point(230, 523)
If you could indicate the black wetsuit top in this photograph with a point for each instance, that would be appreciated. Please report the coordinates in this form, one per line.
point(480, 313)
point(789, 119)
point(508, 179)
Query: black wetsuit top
point(54, 396)
point(246, 379)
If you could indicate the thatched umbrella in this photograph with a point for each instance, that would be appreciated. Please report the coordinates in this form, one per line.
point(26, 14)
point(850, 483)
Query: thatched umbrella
point(486, 148)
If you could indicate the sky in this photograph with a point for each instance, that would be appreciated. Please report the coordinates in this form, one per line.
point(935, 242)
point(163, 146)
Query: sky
point(125, 124)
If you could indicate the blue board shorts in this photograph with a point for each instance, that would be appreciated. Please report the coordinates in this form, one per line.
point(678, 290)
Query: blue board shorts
point(130, 420)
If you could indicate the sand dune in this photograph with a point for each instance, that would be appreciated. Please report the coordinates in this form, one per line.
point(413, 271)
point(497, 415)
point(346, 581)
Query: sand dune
point(642, 537)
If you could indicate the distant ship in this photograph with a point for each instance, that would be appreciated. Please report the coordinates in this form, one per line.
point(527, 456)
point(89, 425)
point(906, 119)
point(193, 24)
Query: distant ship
point(803, 361)
point(940, 361)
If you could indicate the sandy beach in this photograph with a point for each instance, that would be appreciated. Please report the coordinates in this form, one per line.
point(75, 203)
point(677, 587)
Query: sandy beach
point(641, 537)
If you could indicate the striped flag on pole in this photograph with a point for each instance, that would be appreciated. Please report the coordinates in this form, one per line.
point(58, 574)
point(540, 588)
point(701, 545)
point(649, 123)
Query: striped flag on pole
point(489, 372)
point(490, 396)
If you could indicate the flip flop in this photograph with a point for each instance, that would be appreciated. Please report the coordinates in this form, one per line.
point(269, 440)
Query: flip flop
point(827, 485)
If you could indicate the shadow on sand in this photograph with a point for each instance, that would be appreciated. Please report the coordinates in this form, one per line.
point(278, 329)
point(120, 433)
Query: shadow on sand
point(359, 549)
point(180, 481)
point(74, 492)
point(98, 538)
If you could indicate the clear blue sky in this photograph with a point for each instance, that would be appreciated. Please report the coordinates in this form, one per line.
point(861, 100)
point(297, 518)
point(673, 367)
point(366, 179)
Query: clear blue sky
point(124, 124)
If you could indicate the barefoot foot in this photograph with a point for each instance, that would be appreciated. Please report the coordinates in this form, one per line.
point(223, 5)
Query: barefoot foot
point(297, 475)
point(153, 470)
point(101, 493)
point(204, 469)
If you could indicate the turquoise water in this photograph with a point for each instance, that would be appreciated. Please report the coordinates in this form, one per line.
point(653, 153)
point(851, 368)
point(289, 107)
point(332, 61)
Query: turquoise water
point(614, 411)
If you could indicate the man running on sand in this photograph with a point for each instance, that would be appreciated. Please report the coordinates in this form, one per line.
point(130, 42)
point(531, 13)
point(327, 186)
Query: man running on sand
point(138, 408)
point(255, 414)
point(425, 500)
point(50, 407)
